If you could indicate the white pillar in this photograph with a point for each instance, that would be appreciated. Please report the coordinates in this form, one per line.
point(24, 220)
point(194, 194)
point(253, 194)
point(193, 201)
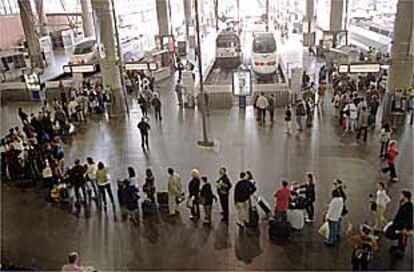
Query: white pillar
point(402, 53)
point(29, 28)
point(87, 21)
point(109, 63)
point(41, 16)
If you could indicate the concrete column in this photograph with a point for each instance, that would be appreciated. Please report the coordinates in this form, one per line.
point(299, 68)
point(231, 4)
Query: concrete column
point(309, 34)
point(401, 69)
point(108, 60)
point(29, 28)
point(87, 20)
point(42, 20)
point(337, 15)
point(402, 53)
point(188, 16)
point(163, 17)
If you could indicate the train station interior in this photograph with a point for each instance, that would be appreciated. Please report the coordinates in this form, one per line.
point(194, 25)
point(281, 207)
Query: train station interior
point(207, 135)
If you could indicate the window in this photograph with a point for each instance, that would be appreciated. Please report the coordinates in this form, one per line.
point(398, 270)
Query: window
point(264, 44)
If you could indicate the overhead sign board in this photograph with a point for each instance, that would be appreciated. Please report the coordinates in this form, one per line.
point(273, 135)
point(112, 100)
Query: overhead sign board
point(136, 66)
point(67, 69)
point(79, 68)
point(141, 66)
point(343, 68)
point(364, 68)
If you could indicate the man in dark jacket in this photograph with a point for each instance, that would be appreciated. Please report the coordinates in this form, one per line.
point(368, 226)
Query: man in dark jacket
point(156, 102)
point(402, 224)
point(78, 180)
point(223, 189)
point(144, 127)
point(242, 192)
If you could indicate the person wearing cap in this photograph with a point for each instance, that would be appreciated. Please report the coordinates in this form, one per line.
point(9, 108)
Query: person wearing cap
point(72, 265)
point(402, 224)
point(363, 245)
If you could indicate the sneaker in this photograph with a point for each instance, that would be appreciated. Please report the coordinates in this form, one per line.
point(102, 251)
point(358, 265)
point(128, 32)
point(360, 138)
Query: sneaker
point(307, 220)
point(394, 179)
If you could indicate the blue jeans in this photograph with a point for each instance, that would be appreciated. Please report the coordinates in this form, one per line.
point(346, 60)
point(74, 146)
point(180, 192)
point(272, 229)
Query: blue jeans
point(333, 231)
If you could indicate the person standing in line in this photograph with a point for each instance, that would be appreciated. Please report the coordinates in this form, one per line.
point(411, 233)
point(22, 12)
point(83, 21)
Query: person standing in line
point(310, 196)
point(282, 196)
point(77, 178)
point(402, 224)
point(381, 202)
point(194, 194)
point(131, 196)
point(300, 112)
point(411, 108)
point(104, 184)
point(363, 122)
point(262, 105)
point(144, 128)
point(288, 119)
point(223, 189)
point(385, 137)
point(156, 102)
point(271, 107)
point(242, 192)
point(337, 103)
point(333, 216)
point(352, 116)
point(149, 186)
point(373, 109)
point(391, 156)
point(206, 198)
point(90, 176)
point(174, 190)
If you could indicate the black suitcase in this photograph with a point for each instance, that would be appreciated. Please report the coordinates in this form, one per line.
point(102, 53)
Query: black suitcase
point(162, 199)
point(148, 207)
point(278, 230)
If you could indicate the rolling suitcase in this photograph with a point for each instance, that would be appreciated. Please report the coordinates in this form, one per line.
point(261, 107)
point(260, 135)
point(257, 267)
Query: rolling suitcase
point(148, 207)
point(264, 206)
point(278, 230)
point(296, 219)
point(162, 199)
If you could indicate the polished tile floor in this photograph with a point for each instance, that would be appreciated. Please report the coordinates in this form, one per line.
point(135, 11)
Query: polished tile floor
point(35, 234)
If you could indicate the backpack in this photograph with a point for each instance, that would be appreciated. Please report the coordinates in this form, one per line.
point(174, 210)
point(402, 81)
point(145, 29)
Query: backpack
point(363, 253)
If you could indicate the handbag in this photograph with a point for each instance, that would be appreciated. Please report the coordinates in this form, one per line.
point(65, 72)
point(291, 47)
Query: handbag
point(324, 230)
point(180, 198)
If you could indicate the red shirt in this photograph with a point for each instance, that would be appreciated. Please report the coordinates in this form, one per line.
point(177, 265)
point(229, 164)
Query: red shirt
point(282, 199)
point(391, 155)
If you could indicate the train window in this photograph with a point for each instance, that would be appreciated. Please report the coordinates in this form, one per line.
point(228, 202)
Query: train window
point(84, 48)
point(226, 40)
point(264, 44)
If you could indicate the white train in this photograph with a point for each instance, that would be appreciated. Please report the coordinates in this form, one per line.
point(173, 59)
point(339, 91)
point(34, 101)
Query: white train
point(264, 54)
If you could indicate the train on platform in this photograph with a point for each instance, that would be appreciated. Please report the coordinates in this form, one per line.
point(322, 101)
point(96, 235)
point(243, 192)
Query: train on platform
point(264, 54)
point(228, 50)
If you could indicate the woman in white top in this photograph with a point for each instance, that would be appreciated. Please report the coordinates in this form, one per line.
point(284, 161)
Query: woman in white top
point(382, 200)
point(90, 176)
